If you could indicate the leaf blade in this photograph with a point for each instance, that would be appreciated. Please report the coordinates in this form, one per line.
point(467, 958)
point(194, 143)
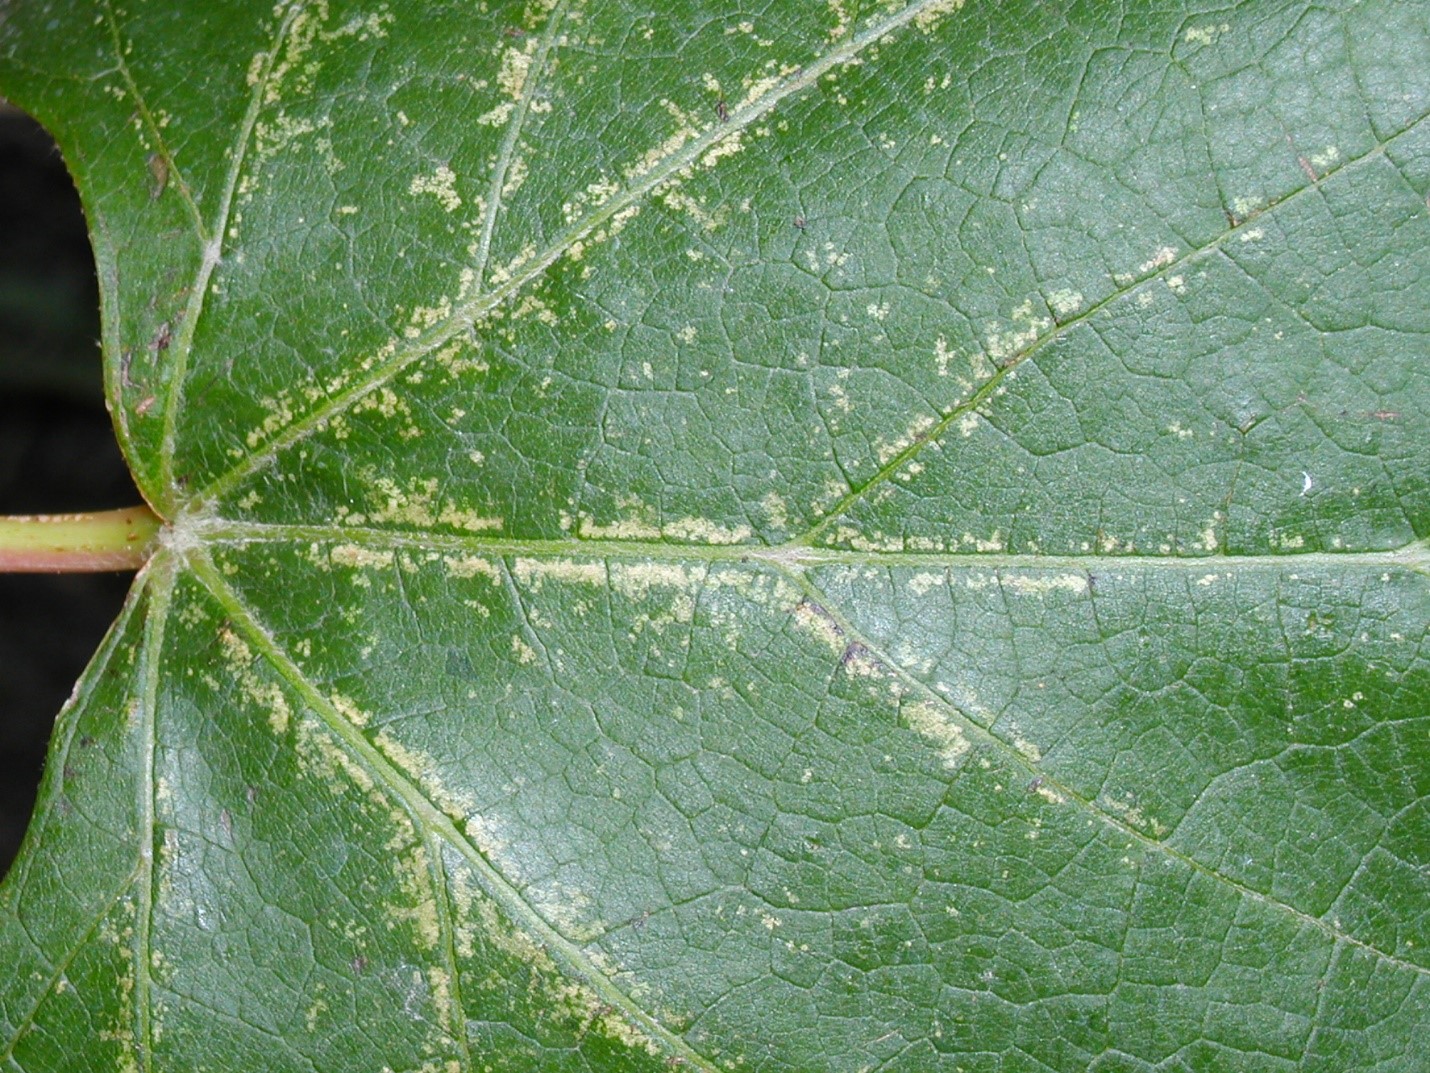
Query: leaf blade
point(915, 561)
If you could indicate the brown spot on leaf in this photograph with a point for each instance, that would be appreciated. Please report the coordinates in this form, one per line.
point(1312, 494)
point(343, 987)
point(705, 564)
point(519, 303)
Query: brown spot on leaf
point(158, 175)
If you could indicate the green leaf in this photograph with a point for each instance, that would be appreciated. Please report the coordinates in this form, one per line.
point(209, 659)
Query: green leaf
point(830, 536)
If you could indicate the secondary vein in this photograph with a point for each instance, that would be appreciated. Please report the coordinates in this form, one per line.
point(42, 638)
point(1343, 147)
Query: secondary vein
point(984, 732)
point(646, 181)
point(986, 390)
point(212, 254)
point(433, 819)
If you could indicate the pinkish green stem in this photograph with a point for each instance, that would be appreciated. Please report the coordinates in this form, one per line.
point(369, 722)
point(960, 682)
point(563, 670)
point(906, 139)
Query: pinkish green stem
point(77, 543)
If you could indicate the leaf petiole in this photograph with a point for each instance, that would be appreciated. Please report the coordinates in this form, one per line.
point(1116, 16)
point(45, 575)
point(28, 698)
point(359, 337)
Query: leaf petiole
point(78, 543)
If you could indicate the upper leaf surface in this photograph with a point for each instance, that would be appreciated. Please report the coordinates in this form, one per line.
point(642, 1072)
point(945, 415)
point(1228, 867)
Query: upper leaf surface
point(811, 537)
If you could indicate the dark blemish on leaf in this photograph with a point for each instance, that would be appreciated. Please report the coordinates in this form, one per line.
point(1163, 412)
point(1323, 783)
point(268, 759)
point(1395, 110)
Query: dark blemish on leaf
point(459, 665)
point(807, 608)
point(722, 110)
point(1091, 582)
point(158, 175)
point(1301, 160)
point(854, 652)
point(1035, 785)
point(86, 741)
point(162, 338)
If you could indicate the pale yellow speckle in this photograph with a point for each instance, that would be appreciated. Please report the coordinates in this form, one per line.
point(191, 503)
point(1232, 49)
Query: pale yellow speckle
point(534, 573)
point(1209, 540)
point(1027, 748)
point(348, 709)
point(1048, 794)
point(936, 723)
point(524, 652)
point(469, 566)
point(1040, 584)
point(1064, 302)
point(816, 620)
point(1163, 256)
point(1242, 207)
point(1027, 328)
point(358, 557)
point(703, 531)
point(1132, 815)
point(441, 184)
point(515, 66)
point(266, 695)
point(1204, 35)
point(927, 19)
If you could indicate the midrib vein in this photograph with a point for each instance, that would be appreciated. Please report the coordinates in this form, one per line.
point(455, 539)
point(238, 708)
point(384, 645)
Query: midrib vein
point(212, 254)
point(983, 733)
point(794, 555)
point(468, 312)
point(150, 656)
point(432, 820)
point(438, 822)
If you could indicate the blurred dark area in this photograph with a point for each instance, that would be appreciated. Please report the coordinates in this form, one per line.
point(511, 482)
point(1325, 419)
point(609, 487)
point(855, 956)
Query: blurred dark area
point(57, 452)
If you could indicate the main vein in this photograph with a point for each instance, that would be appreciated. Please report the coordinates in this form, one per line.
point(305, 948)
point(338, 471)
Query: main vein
point(150, 656)
point(1414, 555)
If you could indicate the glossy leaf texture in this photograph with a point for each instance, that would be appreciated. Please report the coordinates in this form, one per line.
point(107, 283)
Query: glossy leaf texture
point(797, 537)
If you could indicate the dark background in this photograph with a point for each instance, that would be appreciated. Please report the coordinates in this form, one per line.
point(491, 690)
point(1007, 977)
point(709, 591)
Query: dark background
point(57, 452)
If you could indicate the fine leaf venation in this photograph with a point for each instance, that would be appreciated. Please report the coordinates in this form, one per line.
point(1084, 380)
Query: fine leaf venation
point(410, 795)
point(470, 310)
